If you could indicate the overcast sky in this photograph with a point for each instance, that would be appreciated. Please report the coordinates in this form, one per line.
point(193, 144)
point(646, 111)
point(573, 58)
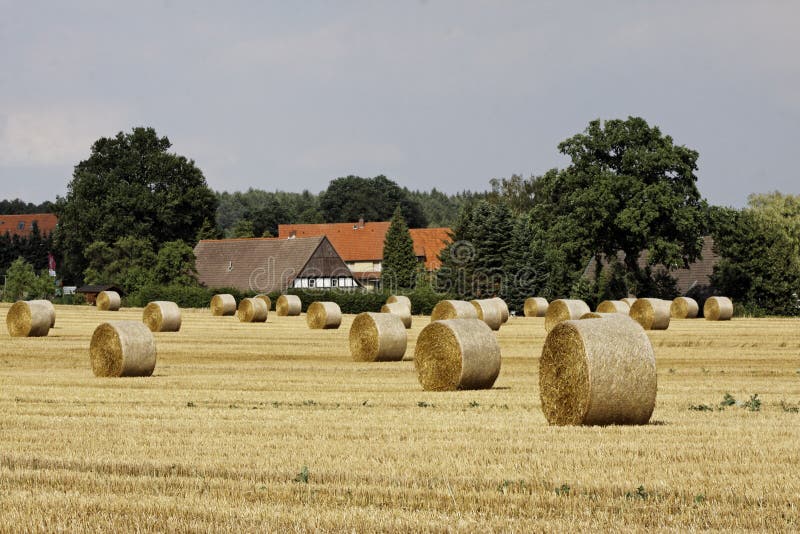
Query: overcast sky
point(430, 93)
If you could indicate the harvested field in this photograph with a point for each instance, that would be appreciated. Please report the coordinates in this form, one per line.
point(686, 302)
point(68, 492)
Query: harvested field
point(276, 428)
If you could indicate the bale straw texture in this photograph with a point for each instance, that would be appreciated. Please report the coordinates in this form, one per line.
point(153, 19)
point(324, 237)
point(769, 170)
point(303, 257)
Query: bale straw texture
point(28, 319)
point(629, 301)
point(108, 301)
point(503, 308)
point(162, 316)
point(323, 315)
point(223, 305)
point(453, 309)
point(252, 310)
point(684, 308)
point(267, 301)
point(652, 314)
point(457, 354)
point(718, 309)
point(603, 315)
point(564, 310)
point(597, 372)
point(614, 306)
point(402, 299)
point(377, 337)
point(288, 305)
point(489, 311)
point(399, 309)
point(50, 308)
point(122, 348)
point(535, 307)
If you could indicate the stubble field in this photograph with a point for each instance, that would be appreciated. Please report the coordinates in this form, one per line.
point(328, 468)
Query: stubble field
point(247, 427)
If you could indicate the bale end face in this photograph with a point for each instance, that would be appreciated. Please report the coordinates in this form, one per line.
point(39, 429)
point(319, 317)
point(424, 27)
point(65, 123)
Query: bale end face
point(28, 319)
point(288, 306)
point(684, 308)
point(323, 315)
point(377, 337)
point(252, 310)
point(122, 348)
point(108, 301)
point(223, 305)
point(162, 316)
point(652, 314)
point(718, 309)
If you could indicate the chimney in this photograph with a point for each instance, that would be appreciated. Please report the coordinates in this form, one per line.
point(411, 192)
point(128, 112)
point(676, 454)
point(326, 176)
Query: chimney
point(293, 234)
point(361, 222)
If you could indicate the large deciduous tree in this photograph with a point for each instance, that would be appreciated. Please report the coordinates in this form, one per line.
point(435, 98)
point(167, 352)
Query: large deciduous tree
point(375, 199)
point(131, 185)
point(399, 267)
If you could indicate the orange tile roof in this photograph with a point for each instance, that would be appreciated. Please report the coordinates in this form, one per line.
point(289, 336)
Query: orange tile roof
point(10, 223)
point(355, 242)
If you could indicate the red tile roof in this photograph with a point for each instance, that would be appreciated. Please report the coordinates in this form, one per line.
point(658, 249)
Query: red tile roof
point(355, 242)
point(11, 223)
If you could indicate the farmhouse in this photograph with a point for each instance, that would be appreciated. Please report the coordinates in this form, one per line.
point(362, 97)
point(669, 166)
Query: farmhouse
point(271, 264)
point(360, 244)
point(90, 292)
point(22, 225)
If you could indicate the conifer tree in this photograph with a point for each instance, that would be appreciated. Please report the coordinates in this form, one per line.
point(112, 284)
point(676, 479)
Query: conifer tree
point(399, 261)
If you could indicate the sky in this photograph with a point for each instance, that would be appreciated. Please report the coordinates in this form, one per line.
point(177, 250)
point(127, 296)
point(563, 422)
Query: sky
point(445, 94)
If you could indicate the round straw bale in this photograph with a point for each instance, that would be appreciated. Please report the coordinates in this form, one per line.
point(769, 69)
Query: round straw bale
point(503, 308)
point(399, 309)
point(457, 354)
point(535, 307)
point(28, 319)
point(629, 301)
point(288, 305)
point(123, 348)
point(399, 298)
point(489, 311)
point(223, 304)
point(652, 314)
point(108, 301)
point(252, 310)
point(564, 310)
point(323, 315)
point(614, 306)
point(267, 301)
point(377, 337)
point(52, 309)
point(453, 309)
point(603, 315)
point(598, 372)
point(684, 308)
point(718, 309)
point(162, 316)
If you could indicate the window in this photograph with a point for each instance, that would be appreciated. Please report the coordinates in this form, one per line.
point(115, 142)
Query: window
point(21, 225)
point(334, 282)
point(311, 282)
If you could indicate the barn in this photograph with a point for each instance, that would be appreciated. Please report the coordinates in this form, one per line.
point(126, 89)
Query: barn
point(265, 265)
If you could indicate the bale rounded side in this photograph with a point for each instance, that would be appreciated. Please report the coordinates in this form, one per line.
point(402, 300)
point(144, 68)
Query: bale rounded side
point(489, 311)
point(684, 308)
point(162, 316)
point(503, 308)
point(614, 306)
point(535, 307)
point(50, 308)
point(564, 310)
point(288, 306)
point(399, 298)
point(453, 309)
point(652, 314)
point(266, 299)
point(122, 348)
point(718, 309)
point(323, 315)
point(457, 354)
point(399, 309)
point(223, 305)
point(629, 300)
point(108, 301)
point(377, 337)
point(252, 310)
point(597, 372)
point(28, 319)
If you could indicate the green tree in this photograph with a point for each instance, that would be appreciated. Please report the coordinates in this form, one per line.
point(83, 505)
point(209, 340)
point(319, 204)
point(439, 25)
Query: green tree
point(243, 228)
point(131, 185)
point(175, 264)
point(350, 198)
point(399, 267)
point(21, 281)
point(517, 192)
point(128, 263)
point(208, 230)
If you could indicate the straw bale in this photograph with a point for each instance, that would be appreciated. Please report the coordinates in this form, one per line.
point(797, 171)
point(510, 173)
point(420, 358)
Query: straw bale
point(614, 306)
point(399, 309)
point(603, 315)
point(684, 308)
point(401, 299)
point(288, 305)
point(252, 310)
point(629, 301)
point(489, 311)
point(266, 299)
point(503, 308)
point(223, 305)
point(598, 372)
point(652, 314)
point(28, 319)
point(377, 337)
point(564, 310)
point(108, 301)
point(457, 354)
point(453, 309)
point(323, 315)
point(535, 307)
point(162, 316)
point(123, 348)
point(718, 309)
point(52, 309)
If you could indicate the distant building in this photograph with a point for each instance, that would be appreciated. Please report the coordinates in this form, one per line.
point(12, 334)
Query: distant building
point(360, 244)
point(271, 264)
point(21, 225)
point(90, 292)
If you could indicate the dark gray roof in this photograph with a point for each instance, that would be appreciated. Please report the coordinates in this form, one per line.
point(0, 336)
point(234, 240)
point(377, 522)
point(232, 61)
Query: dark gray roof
point(97, 288)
